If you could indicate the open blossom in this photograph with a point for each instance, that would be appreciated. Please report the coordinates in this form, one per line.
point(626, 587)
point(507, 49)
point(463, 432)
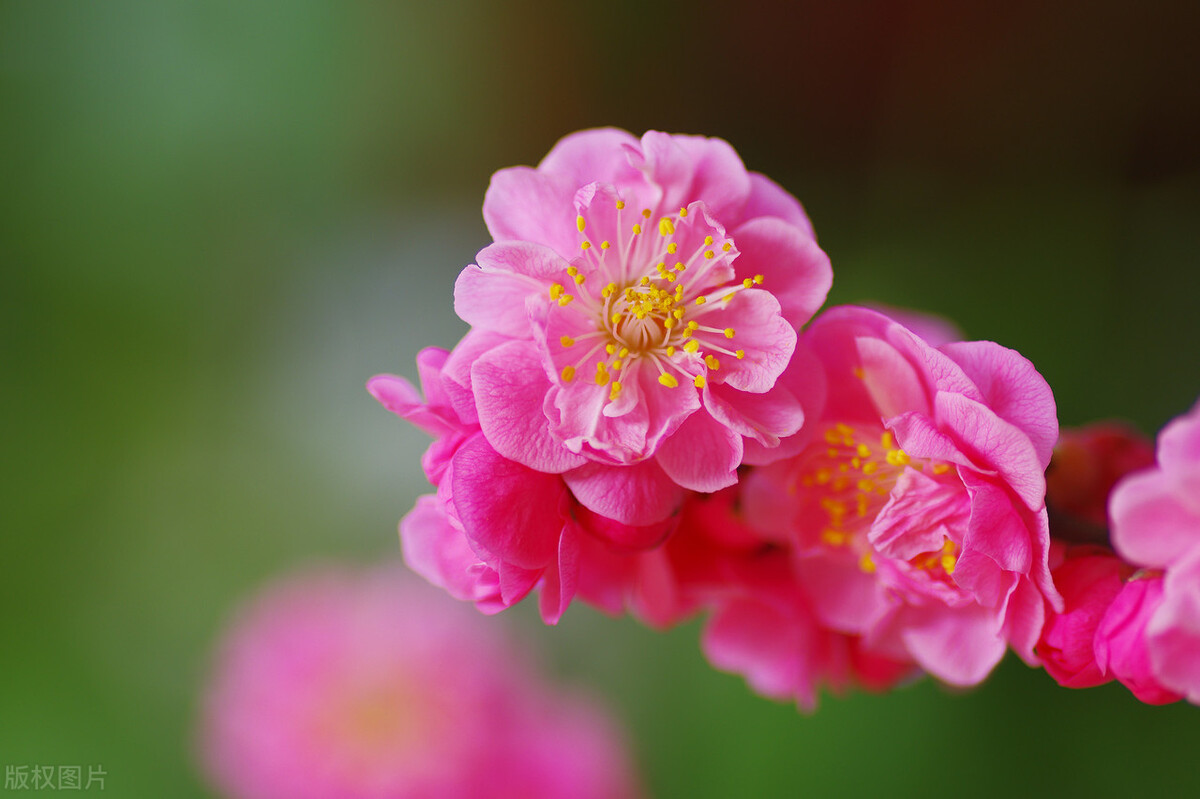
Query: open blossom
point(633, 318)
point(367, 686)
point(1155, 516)
point(916, 512)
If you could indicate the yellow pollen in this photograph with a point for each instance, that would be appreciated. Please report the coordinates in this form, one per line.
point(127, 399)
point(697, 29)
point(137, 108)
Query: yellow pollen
point(948, 562)
point(587, 245)
point(668, 323)
point(615, 391)
point(727, 298)
point(941, 468)
point(864, 451)
point(888, 440)
point(832, 452)
point(568, 374)
point(709, 254)
point(601, 374)
point(693, 325)
point(700, 300)
point(866, 485)
point(620, 205)
point(708, 240)
point(898, 457)
point(699, 381)
point(870, 467)
point(668, 380)
point(672, 248)
point(832, 436)
point(729, 332)
point(758, 280)
point(645, 281)
point(572, 271)
point(665, 227)
point(564, 300)
point(726, 246)
point(679, 266)
point(556, 290)
point(624, 352)
point(712, 362)
point(670, 351)
point(834, 537)
point(604, 245)
point(823, 476)
point(646, 212)
point(616, 318)
point(579, 279)
point(692, 345)
point(610, 348)
point(677, 313)
point(683, 212)
point(567, 341)
point(637, 230)
point(740, 354)
point(580, 223)
point(617, 363)
point(866, 563)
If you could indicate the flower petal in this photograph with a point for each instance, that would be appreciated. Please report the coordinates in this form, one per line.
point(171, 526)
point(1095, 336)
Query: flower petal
point(638, 495)
point(523, 204)
point(794, 269)
point(703, 455)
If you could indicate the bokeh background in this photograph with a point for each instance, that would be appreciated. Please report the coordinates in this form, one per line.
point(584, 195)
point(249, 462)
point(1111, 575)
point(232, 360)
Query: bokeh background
point(217, 221)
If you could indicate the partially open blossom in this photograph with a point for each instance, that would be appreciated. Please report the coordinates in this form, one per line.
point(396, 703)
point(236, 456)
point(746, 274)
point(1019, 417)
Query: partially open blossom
point(634, 316)
point(368, 686)
point(917, 509)
point(1089, 579)
point(1155, 515)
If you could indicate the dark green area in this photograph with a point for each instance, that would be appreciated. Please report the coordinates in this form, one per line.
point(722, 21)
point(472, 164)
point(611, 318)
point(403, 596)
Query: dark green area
point(217, 221)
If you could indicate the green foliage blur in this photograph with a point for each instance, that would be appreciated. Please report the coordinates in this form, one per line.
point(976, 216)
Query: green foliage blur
point(217, 220)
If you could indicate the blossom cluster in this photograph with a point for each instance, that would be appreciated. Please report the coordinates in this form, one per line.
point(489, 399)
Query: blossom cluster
point(646, 416)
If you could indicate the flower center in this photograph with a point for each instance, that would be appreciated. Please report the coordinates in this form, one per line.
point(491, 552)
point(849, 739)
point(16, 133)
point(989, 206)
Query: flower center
point(650, 291)
point(854, 477)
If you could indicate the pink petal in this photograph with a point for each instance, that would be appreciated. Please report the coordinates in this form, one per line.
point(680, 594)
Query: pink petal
point(510, 386)
point(793, 267)
point(637, 495)
point(523, 204)
point(919, 508)
point(759, 329)
point(492, 294)
point(768, 198)
point(437, 551)
point(959, 646)
point(1173, 634)
point(1121, 641)
point(401, 398)
point(508, 509)
point(703, 455)
point(593, 155)
point(561, 578)
point(766, 418)
point(456, 372)
point(1012, 388)
point(709, 171)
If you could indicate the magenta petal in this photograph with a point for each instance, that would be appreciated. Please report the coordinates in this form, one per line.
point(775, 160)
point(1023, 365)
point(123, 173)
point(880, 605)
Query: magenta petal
point(561, 578)
point(768, 198)
point(703, 455)
point(401, 398)
point(637, 495)
point(456, 372)
point(1121, 643)
point(766, 418)
point(1173, 633)
point(959, 646)
point(523, 204)
point(717, 175)
point(593, 155)
point(510, 386)
point(626, 536)
point(794, 268)
point(508, 509)
point(437, 551)
point(491, 295)
point(1012, 388)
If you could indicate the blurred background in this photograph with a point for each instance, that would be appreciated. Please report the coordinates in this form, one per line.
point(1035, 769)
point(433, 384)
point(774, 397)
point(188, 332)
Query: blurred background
point(217, 222)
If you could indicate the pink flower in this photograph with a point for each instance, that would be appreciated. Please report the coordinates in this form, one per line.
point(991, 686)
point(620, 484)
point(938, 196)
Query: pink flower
point(367, 686)
point(1155, 517)
point(917, 509)
point(634, 316)
point(497, 529)
point(1088, 461)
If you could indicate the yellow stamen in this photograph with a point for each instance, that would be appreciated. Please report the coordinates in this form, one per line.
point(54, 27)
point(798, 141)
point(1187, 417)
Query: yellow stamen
point(615, 391)
point(700, 300)
point(568, 374)
point(567, 341)
point(620, 205)
point(729, 332)
point(699, 381)
point(668, 380)
point(580, 223)
point(665, 226)
point(712, 362)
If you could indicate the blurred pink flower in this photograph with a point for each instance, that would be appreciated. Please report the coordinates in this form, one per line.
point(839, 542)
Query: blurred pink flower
point(917, 509)
point(1088, 461)
point(633, 317)
point(1155, 516)
point(366, 686)
point(1089, 579)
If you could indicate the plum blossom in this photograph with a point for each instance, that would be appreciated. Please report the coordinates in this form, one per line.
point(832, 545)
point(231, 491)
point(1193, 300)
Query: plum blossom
point(916, 511)
point(633, 318)
point(368, 686)
point(1155, 516)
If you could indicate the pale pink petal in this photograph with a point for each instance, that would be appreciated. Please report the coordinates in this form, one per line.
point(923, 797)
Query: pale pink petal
point(768, 198)
point(703, 455)
point(1179, 452)
point(637, 495)
point(1121, 643)
point(765, 418)
point(491, 295)
point(439, 552)
point(1151, 525)
point(759, 330)
point(1012, 388)
point(509, 386)
point(959, 646)
point(794, 269)
point(401, 398)
point(456, 372)
point(593, 155)
point(919, 508)
point(509, 509)
point(933, 329)
point(717, 175)
point(523, 204)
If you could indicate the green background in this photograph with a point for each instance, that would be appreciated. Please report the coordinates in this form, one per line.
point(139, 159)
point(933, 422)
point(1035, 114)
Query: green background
point(216, 222)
